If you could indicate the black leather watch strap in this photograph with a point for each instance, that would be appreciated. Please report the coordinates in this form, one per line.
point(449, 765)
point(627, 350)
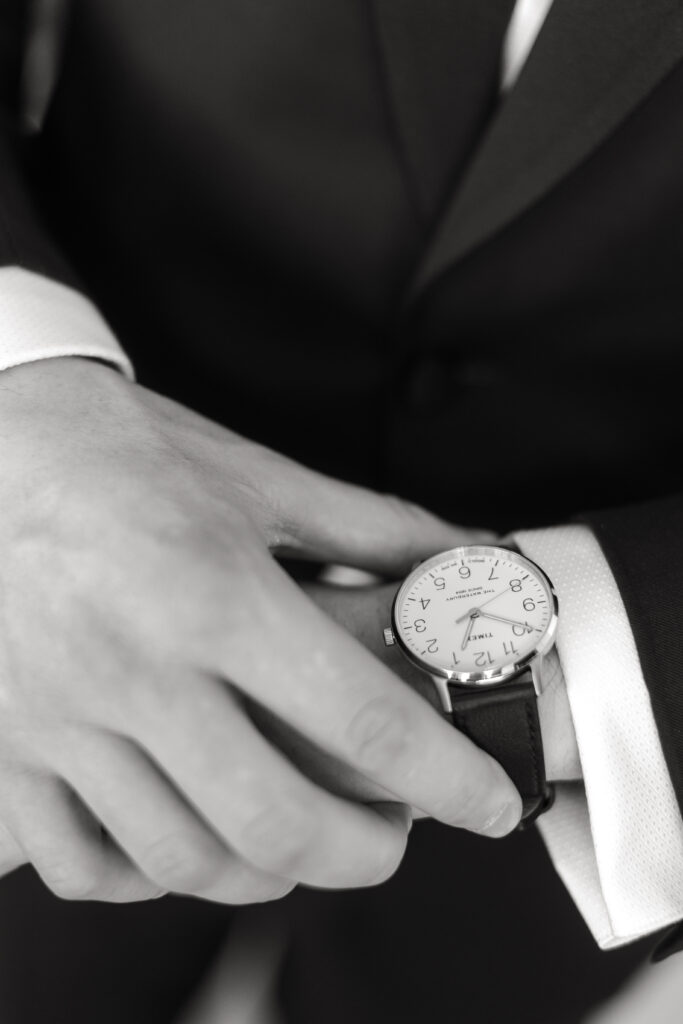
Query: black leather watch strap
point(503, 721)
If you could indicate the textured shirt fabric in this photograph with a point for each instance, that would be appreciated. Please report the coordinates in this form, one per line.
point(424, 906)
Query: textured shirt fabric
point(616, 839)
point(40, 318)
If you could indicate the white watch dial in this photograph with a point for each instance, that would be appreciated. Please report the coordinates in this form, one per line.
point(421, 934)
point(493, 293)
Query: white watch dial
point(474, 611)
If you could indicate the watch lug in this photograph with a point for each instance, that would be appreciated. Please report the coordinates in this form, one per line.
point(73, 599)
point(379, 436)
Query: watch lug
point(538, 675)
point(444, 693)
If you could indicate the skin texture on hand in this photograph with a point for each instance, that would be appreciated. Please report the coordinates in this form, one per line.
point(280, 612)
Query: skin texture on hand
point(364, 612)
point(144, 624)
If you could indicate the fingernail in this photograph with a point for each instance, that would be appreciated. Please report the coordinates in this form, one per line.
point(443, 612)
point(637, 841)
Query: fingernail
point(505, 819)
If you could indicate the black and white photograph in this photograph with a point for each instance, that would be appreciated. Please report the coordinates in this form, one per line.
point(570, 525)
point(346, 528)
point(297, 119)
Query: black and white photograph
point(341, 511)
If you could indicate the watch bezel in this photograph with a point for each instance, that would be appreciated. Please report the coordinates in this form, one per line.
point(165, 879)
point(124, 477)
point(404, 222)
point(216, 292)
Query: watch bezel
point(491, 677)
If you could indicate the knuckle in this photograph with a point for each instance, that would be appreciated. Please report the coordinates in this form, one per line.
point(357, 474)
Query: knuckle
point(11, 854)
point(72, 879)
point(382, 736)
point(383, 868)
point(226, 556)
point(278, 892)
point(224, 592)
point(280, 837)
point(181, 863)
point(260, 892)
point(373, 864)
point(388, 867)
point(463, 803)
point(407, 514)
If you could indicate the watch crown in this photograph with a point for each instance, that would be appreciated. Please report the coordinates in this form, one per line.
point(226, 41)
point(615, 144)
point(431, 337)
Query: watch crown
point(389, 638)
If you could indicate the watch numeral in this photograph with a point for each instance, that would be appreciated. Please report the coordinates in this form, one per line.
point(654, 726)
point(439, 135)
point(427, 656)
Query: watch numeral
point(529, 604)
point(509, 648)
point(420, 625)
point(440, 583)
point(424, 601)
point(521, 630)
point(432, 646)
point(482, 658)
point(515, 586)
point(464, 572)
point(492, 576)
point(455, 658)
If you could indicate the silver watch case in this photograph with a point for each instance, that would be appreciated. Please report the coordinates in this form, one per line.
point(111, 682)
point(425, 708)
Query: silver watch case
point(442, 679)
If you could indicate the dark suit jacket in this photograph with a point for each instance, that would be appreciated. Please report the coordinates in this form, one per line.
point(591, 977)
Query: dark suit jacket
point(262, 199)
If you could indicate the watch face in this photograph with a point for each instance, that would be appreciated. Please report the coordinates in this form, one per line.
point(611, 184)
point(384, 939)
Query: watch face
point(475, 614)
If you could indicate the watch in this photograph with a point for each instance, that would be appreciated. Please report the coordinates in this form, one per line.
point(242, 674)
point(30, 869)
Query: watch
point(479, 620)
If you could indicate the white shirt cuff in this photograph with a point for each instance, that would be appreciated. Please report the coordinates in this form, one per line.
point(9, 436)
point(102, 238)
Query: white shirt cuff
point(42, 319)
point(616, 839)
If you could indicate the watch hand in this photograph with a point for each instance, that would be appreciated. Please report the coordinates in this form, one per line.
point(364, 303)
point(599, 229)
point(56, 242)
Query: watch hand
point(468, 631)
point(513, 622)
point(479, 607)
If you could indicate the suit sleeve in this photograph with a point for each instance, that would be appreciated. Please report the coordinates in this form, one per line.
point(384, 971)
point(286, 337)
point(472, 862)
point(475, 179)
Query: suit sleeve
point(44, 311)
point(24, 241)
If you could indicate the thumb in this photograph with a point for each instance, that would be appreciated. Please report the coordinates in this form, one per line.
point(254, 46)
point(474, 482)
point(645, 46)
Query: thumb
point(331, 521)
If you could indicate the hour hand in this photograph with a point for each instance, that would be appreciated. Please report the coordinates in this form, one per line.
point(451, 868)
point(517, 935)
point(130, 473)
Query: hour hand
point(511, 622)
point(467, 632)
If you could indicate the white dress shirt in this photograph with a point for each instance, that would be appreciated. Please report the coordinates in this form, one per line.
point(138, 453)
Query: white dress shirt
point(40, 318)
point(616, 838)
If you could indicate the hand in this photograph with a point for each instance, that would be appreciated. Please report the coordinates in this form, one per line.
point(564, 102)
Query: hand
point(363, 612)
point(142, 618)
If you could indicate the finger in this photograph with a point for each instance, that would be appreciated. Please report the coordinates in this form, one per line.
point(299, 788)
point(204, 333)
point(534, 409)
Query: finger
point(66, 846)
point(326, 771)
point(261, 806)
point(11, 854)
point(315, 516)
point(364, 612)
point(157, 828)
point(321, 682)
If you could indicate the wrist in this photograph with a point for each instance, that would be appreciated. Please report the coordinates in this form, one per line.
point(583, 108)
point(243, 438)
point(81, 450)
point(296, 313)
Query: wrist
point(57, 384)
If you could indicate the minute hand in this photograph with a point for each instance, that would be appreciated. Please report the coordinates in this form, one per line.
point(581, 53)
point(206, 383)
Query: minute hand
point(480, 606)
point(512, 622)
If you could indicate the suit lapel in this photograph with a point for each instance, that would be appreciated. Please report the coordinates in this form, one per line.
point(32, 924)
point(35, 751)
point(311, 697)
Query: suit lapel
point(419, 42)
point(594, 61)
